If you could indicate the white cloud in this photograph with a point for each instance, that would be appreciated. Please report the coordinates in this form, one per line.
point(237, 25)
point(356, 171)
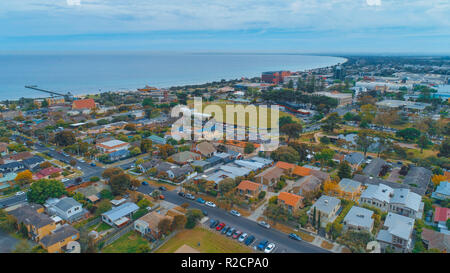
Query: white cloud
point(373, 2)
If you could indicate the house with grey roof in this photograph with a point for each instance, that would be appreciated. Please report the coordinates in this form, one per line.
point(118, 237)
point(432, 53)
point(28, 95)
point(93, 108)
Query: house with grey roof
point(66, 208)
point(350, 188)
point(442, 191)
point(400, 200)
point(418, 177)
point(59, 238)
point(359, 219)
point(185, 157)
point(354, 159)
point(326, 209)
point(374, 167)
point(396, 232)
point(368, 180)
point(119, 216)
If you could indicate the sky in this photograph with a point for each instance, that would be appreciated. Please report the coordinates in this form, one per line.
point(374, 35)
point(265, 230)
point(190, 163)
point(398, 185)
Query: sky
point(285, 26)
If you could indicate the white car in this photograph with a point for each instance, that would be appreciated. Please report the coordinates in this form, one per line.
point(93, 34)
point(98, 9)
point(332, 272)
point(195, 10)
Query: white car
point(235, 213)
point(79, 168)
point(264, 224)
point(65, 179)
point(242, 237)
point(20, 193)
point(269, 248)
point(210, 204)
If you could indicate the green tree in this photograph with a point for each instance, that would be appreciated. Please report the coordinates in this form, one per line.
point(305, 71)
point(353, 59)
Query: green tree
point(43, 189)
point(120, 183)
point(331, 123)
point(292, 130)
point(65, 138)
point(345, 171)
point(408, 134)
point(249, 148)
point(193, 216)
point(364, 139)
point(324, 156)
point(423, 142)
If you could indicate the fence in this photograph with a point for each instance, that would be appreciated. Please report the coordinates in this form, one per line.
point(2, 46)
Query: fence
point(112, 237)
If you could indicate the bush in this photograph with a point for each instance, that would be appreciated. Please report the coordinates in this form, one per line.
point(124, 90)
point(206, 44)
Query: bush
point(261, 195)
point(94, 179)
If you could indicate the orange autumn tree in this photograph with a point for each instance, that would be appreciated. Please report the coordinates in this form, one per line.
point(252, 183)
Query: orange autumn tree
point(331, 188)
point(437, 179)
point(24, 177)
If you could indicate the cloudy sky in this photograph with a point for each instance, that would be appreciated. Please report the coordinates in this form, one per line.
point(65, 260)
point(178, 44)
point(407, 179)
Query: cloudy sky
point(318, 26)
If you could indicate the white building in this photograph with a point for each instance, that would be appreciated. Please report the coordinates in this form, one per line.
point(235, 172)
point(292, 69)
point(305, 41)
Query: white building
point(113, 146)
point(396, 232)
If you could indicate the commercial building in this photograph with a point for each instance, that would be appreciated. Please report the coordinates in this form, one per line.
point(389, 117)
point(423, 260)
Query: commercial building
point(342, 98)
point(275, 77)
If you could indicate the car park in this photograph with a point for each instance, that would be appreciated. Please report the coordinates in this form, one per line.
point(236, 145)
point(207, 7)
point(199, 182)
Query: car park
point(269, 248)
point(242, 237)
point(230, 232)
point(235, 213)
point(220, 226)
point(201, 200)
point(237, 234)
point(249, 240)
point(263, 224)
point(210, 204)
point(262, 245)
point(295, 237)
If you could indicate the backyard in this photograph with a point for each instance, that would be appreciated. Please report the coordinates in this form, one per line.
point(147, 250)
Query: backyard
point(128, 243)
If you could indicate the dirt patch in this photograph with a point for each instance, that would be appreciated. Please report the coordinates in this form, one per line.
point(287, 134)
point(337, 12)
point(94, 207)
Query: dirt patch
point(186, 249)
point(327, 245)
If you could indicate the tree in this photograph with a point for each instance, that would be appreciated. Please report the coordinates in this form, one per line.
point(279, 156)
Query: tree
point(65, 138)
point(193, 216)
point(179, 221)
point(408, 134)
point(23, 247)
point(444, 148)
point(110, 172)
point(284, 120)
point(120, 183)
point(423, 142)
point(324, 156)
point(345, 171)
point(227, 185)
point(135, 151)
point(102, 207)
point(249, 148)
point(45, 165)
point(24, 177)
point(7, 222)
point(285, 153)
point(292, 130)
point(43, 189)
point(364, 139)
point(368, 112)
point(164, 226)
point(331, 122)
point(146, 145)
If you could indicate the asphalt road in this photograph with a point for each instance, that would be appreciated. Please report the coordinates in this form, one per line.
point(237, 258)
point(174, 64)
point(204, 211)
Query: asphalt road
point(283, 243)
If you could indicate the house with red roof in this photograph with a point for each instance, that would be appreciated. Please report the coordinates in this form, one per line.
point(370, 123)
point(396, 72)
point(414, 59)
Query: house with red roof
point(83, 104)
point(441, 216)
point(249, 189)
point(291, 202)
point(46, 173)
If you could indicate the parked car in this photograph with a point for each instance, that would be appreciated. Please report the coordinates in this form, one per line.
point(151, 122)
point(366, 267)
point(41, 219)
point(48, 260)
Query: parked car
point(210, 204)
point(263, 224)
point(65, 179)
point(262, 245)
point(182, 194)
point(162, 197)
point(189, 196)
point(220, 226)
point(231, 231)
point(249, 240)
point(144, 183)
point(237, 234)
point(20, 193)
point(213, 223)
point(269, 248)
point(201, 200)
point(235, 213)
point(205, 212)
point(295, 237)
point(93, 165)
point(242, 237)
point(225, 229)
point(162, 188)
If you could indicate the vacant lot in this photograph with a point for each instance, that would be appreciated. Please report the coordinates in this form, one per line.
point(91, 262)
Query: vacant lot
point(210, 242)
point(128, 243)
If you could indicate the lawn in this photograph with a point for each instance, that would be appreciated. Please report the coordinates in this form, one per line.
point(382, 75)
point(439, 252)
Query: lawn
point(210, 242)
point(128, 243)
point(100, 227)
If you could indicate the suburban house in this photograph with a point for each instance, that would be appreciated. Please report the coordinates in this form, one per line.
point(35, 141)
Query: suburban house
point(157, 140)
point(359, 219)
point(350, 189)
point(46, 173)
point(237, 145)
point(3, 148)
point(249, 189)
point(148, 165)
point(147, 225)
point(396, 232)
point(59, 238)
point(117, 155)
point(401, 200)
point(373, 169)
point(326, 208)
point(177, 172)
point(418, 177)
point(66, 208)
point(37, 223)
point(291, 202)
point(441, 215)
point(287, 168)
point(119, 216)
point(436, 240)
point(6, 180)
point(185, 157)
point(442, 191)
point(11, 167)
point(354, 159)
point(33, 162)
point(205, 148)
point(270, 176)
point(112, 146)
point(307, 184)
point(301, 171)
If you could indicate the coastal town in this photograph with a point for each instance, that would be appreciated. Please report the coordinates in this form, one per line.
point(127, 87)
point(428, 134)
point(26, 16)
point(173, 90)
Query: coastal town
point(362, 165)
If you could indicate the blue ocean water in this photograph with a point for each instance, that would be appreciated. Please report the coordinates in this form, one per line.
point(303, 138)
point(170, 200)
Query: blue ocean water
point(86, 73)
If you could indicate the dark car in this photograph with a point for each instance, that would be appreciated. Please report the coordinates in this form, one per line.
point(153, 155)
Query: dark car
point(295, 237)
point(231, 231)
point(213, 223)
point(262, 244)
point(145, 183)
point(162, 188)
point(205, 212)
point(249, 240)
point(182, 194)
point(225, 229)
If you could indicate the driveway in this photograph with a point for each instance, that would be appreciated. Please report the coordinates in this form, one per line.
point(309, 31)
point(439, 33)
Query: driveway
point(7, 242)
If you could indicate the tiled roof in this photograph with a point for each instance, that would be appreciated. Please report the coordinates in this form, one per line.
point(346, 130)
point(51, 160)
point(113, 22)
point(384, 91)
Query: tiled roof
point(290, 198)
point(301, 171)
point(285, 165)
point(83, 104)
point(248, 185)
point(441, 214)
point(436, 240)
point(271, 173)
point(59, 234)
